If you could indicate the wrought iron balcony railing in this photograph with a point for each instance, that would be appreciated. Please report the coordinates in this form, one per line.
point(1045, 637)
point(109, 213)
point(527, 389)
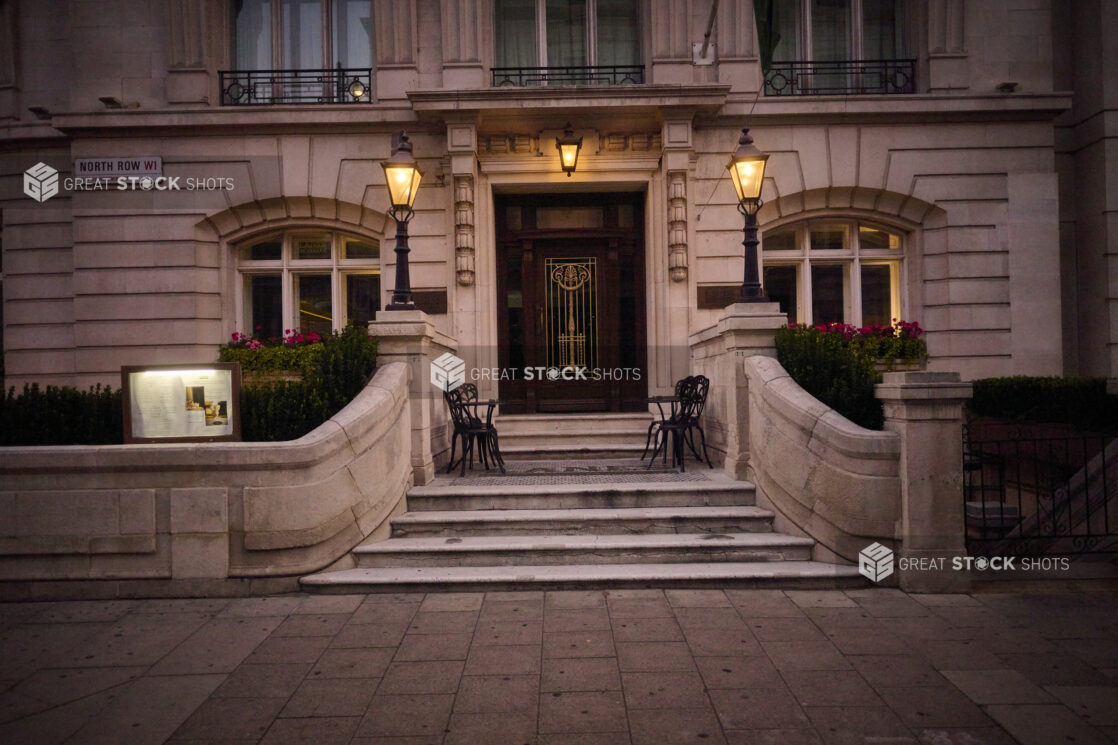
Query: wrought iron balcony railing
point(845, 78)
point(345, 85)
point(588, 75)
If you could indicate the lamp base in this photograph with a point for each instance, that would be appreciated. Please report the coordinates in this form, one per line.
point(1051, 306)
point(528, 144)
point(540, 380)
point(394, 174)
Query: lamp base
point(400, 306)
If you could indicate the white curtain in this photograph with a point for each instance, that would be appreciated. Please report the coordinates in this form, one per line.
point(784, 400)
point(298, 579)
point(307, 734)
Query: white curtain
point(353, 45)
point(301, 23)
point(252, 20)
point(786, 28)
point(566, 33)
point(882, 29)
point(618, 33)
point(830, 30)
point(516, 33)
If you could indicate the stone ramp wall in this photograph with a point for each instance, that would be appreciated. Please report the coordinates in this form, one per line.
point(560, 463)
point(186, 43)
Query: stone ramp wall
point(211, 518)
point(823, 475)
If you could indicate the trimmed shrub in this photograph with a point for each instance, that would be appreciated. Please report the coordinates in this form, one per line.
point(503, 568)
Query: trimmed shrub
point(61, 416)
point(1082, 402)
point(829, 367)
point(334, 370)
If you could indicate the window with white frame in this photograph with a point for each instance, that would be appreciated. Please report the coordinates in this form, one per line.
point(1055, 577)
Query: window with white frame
point(567, 33)
point(302, 34)
point(835, 271)
point(312, 280)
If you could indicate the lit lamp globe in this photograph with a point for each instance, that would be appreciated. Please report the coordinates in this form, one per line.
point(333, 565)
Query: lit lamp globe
point(747, 170)
point(402, 176)
point(568, 146)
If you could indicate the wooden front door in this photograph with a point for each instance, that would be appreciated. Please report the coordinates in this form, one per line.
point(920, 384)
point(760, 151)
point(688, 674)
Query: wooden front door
point(571, 303)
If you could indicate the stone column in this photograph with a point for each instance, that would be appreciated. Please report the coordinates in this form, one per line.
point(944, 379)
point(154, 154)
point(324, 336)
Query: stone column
point(926, 410)
point(718, 352)
point(410, 337)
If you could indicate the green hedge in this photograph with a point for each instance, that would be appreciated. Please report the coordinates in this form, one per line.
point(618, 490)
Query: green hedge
point(1082, 402)
point(289, 358)
point(61, 416)
point(334, 371)
point(828, 367)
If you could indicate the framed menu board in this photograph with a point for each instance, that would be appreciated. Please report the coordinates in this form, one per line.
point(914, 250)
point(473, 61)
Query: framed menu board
point(181, 403)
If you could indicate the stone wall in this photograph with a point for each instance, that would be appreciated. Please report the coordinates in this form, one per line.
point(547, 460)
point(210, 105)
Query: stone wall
point(823, 475)
point(211, 518)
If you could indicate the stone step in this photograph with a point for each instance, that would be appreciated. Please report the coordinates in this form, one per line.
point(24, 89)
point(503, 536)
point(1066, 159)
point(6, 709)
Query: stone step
point(544, 550)
point(569, 449)
point(556, 436)
point(516, 425)
point(783, 574)
point(647, 520)
point(443, 497)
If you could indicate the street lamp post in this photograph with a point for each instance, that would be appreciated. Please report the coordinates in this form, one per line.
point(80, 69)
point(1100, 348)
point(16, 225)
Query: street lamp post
point(747, 170)
point(402, 176)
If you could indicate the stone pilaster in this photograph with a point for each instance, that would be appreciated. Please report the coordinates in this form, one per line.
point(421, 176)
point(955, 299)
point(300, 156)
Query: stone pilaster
point(926, 410)
point(677, 225)
point(947, 47)
point(395, 23)
point(408, 336)
point(462, 35)
point(191, 24)
point(464, 229)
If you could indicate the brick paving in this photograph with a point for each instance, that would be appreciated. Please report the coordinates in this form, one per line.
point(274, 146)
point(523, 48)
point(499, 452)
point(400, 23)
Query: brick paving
point(624, 666)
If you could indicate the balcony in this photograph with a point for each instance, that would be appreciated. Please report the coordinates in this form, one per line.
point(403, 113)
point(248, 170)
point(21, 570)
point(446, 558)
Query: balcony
point(588, 75)
point(339, 85)
point(845, 78)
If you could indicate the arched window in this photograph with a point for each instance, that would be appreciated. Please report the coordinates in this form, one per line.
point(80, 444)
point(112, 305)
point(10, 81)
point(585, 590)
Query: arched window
point(313, 280)
point(835, 271)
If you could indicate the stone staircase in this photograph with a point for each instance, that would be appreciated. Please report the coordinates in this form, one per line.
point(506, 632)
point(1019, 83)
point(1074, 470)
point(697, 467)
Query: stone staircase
point(585, 523)
point(558, 436)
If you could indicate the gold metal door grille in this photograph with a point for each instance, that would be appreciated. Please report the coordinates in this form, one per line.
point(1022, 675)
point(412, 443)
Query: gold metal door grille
point(571, 312)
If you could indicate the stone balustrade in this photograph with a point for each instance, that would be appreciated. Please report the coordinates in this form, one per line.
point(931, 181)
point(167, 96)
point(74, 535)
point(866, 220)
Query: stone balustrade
point(208, 518)
point(827, 478)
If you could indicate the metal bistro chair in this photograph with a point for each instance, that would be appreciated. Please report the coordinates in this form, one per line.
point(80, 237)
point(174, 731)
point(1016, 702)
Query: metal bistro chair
point(702, 388)
point(696, 388)
point(471, 430)
point(660, 401)
point(675, 427)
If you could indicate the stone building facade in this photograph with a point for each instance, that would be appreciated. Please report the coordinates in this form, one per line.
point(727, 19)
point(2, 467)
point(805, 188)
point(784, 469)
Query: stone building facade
point(964, 180)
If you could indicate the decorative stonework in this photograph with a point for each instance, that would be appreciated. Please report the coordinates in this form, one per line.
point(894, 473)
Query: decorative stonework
point(677, 225)
point(529, 144)
point(518, 144)
point(464, 229)
point(637, 142)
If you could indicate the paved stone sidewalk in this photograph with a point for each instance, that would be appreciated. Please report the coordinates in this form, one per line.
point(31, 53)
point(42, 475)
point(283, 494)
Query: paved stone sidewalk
point(634, 666)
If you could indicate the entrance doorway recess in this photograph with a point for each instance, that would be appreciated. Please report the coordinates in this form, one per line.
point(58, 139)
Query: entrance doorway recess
point(571, 302)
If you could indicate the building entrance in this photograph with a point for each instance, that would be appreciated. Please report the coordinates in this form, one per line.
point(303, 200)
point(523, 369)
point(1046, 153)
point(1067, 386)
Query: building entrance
point(570, 302)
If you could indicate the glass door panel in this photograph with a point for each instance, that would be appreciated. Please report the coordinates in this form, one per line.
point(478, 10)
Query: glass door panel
point(618, 38)
point(312, 293)
point(828, 293)
point(353, 37)
point(566, 33)
point(830, 42)
point(571, 312)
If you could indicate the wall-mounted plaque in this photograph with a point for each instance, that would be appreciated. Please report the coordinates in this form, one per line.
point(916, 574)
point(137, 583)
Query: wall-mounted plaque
point(181, 403)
